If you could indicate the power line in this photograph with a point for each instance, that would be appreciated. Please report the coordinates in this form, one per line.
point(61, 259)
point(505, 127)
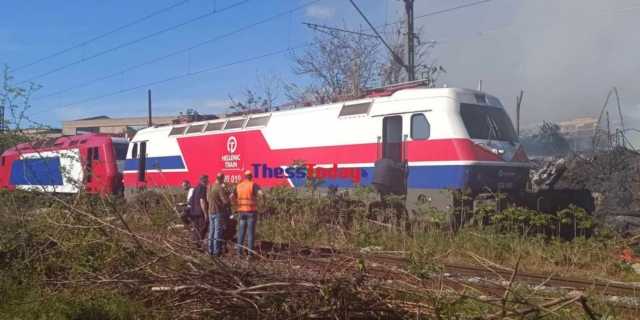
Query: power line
point(537, 24)
point(102, 36)
point(432, 13)
point(171, 79)
point(121, 73)
point(135, 41)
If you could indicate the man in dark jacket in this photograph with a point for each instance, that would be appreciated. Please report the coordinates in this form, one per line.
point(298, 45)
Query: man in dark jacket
point(230, 224)
point(389, 179)
point(199, 207)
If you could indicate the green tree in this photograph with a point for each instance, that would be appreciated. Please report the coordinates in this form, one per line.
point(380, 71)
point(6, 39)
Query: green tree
point(15, 102)
point(130, 131)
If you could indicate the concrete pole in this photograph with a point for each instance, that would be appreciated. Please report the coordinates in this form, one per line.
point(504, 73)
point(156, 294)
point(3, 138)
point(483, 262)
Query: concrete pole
point(150, 123)
point(409, 47)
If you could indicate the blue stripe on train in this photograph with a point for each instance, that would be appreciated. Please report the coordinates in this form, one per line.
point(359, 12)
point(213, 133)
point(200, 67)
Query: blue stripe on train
point(440, 177)
point(164, 163)
point(38, 171)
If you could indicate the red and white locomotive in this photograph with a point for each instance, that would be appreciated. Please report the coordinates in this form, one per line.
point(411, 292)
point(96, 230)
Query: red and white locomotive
point(451, 138)
point(93, 162)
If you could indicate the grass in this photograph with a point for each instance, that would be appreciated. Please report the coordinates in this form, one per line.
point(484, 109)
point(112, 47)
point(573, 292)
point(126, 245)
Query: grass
point(33, 253)
point(511, 233)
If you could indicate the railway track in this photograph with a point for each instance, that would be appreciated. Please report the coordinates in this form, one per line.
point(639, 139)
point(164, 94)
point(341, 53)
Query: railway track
point(385, 268)
point(392, 270)
point(383, 263)
point(456, 270)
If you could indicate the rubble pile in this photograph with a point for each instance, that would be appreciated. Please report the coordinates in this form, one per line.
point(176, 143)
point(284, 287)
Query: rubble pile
point(604, 183)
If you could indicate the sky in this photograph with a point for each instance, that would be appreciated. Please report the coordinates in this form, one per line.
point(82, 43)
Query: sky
point(566, 55)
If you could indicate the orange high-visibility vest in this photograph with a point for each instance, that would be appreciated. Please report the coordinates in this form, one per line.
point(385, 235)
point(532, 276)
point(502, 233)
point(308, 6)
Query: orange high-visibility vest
point(246, 201)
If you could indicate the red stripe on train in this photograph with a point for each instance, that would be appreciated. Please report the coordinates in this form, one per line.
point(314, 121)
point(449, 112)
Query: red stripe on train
point(204, 155)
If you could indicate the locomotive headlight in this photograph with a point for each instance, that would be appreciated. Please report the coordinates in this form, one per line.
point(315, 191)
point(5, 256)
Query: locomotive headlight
point(498, 151)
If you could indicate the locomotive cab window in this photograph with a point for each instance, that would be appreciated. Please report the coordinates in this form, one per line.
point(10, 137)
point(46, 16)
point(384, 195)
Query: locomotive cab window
point(120, 149)
point(49, 143)
point(487, 123)
point(420, 127)
point(134, 151)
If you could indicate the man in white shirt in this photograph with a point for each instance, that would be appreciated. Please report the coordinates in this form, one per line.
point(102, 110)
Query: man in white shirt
point(185, 216)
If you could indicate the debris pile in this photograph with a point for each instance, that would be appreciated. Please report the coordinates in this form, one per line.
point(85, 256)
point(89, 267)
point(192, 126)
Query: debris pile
point(604, 183)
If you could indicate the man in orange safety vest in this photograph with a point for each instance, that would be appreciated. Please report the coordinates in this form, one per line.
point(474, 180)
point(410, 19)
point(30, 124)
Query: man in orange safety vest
point(245, 196)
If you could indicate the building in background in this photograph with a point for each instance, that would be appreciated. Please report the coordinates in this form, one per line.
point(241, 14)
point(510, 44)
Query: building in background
point(104, 124)
point(42, 133)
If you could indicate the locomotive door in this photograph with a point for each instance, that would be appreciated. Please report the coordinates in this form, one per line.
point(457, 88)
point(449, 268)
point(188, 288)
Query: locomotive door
point(392, 138)
point(393, 145)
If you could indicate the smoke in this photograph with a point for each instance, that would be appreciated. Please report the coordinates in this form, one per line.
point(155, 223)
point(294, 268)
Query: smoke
point(566, 69)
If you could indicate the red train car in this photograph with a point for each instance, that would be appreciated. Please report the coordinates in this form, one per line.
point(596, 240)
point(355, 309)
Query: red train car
point(93, 162)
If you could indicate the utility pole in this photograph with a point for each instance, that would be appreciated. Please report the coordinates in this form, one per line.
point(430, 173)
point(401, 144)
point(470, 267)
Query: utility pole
point(407, 63)
point(149, 108)
point(409, 36)
point(518, 102)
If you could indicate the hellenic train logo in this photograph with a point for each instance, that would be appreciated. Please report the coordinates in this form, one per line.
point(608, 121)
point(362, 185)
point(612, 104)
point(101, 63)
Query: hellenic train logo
point(232, 144)
point(505, 174)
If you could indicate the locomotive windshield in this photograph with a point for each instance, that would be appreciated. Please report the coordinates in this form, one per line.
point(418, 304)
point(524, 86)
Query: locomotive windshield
point(487, 123)
point(120, 150)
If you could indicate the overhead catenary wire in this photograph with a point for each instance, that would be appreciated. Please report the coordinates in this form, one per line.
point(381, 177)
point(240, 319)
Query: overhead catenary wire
point(178, 52)
point(431, 14)
point(172, 78)
point(274, 53)
point(102, 36)
point(134, 41)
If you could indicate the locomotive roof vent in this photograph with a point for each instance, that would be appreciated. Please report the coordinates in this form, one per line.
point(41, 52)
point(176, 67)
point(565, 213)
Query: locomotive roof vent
point(361, 108)
point(235, 124)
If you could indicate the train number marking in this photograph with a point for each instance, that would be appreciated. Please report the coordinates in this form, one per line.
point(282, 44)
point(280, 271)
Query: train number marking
point(505, 185)
point(234, 178)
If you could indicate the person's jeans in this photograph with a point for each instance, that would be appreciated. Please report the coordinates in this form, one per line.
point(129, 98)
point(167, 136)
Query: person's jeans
point(215, 232)
point(246, 219)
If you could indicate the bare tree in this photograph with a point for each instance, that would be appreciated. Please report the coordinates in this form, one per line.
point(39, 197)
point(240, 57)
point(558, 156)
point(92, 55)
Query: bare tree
point(261, 97)
point(338, 63)
point(341, 64)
